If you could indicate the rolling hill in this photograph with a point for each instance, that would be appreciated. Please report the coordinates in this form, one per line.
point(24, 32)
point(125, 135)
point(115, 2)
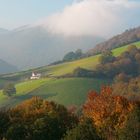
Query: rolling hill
point(64, 68)
point(67, 91)
point(127, 37)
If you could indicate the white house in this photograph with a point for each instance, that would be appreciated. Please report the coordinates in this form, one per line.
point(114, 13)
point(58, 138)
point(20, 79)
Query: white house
point(35, 76)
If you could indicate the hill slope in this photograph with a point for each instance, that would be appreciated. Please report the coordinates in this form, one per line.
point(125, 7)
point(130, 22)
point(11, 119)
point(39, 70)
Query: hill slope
point(64, 68)
point(69, 91)
point(65, 91)
point(129, 36)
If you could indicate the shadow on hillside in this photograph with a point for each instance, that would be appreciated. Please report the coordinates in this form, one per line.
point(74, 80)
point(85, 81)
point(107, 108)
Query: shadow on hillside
point(17, 100)
point(28, 96)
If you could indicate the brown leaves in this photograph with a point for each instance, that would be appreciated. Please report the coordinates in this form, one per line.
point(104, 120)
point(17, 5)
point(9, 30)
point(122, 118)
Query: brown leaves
point(102, 107)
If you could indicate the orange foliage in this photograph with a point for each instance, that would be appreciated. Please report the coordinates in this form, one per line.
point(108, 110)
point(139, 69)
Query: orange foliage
point(107, 110)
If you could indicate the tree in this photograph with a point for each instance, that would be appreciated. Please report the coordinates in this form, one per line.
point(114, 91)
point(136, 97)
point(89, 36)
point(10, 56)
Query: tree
point(16, 132)
point(9, 89)
point(108, 112)
point(42, 120)
point(106, 56)
point(81, 72)
point(69, 56)
point(79, 53)
point(4, 123)
point(131, 130)
point(84, 131)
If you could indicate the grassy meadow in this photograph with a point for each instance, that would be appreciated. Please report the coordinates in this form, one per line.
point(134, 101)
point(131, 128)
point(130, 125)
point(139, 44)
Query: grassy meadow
point(68, 91)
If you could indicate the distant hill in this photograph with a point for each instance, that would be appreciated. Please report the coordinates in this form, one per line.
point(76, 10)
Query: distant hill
point(127, 37)
point(6, 67)
point(29, 47)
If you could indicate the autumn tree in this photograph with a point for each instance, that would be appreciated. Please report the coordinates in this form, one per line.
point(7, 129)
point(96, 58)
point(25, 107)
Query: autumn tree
point(37, 119)
point(108, 112)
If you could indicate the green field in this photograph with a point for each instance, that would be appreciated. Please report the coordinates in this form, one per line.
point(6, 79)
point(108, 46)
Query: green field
point(64, 68)
point(88, 63)
point(69, 91)
point(66, 91)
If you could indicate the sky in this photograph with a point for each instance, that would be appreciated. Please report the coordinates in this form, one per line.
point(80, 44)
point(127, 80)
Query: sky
point(72, 17)
point(14, 13)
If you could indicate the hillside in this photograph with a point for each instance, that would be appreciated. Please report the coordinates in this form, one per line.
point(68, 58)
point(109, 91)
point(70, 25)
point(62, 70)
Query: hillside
point(69, 91)
point(127, 37)
point(66, 91)
point(64, 68)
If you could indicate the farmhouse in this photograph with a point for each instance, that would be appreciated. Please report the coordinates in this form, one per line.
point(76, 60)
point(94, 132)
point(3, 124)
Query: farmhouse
point(35, 76)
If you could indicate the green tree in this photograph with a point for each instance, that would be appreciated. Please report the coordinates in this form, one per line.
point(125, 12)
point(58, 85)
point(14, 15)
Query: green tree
point(107, 56)
point(4, 123)
point(131, 131)
point(84, 131)
point(16, 132)
point(69, 56)
point(9, 89)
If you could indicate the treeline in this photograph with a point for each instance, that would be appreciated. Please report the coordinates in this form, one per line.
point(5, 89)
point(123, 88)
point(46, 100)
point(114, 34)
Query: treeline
point(128, 62)
point(36, 119)
point(129, 36)
point(70, 56)
point(104, 116)
point(109, 66)
point(127, 87)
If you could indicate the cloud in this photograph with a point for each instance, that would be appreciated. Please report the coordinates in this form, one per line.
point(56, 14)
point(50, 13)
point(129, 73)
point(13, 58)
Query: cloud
point(94, 17)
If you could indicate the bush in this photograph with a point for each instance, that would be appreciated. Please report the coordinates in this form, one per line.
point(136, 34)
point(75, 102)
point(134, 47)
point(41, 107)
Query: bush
point(9, 89)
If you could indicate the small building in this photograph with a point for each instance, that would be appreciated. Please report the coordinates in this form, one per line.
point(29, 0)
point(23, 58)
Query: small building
point(35, 76)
